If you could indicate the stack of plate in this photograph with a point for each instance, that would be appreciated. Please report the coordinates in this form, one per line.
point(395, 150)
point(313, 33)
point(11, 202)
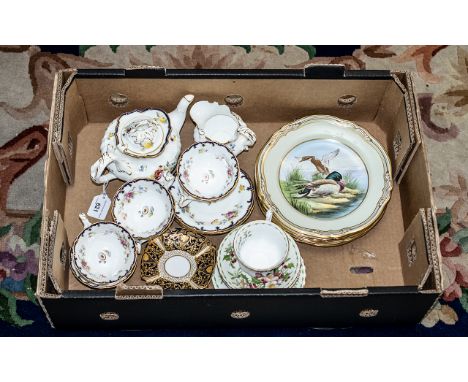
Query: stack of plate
point(326, 180)
point(229, 275)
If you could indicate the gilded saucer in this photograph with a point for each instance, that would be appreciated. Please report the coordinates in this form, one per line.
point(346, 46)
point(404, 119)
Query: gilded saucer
point(219, 216)
point(178, 259)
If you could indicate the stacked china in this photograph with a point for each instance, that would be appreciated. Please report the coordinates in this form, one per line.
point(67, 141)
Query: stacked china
point(257, 255)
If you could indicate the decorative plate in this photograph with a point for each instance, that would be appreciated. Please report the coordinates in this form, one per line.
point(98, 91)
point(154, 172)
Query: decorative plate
point(208, 171)
point(103, 255)
point(178, 259)
point(143, 207)
point(327, 180)
point(219, 216)
point(235, 278)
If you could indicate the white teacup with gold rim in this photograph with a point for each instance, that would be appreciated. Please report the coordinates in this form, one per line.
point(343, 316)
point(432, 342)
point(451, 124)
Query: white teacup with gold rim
point(143, 207)
point(260, 246)
point(207, 171)
point(103, 255)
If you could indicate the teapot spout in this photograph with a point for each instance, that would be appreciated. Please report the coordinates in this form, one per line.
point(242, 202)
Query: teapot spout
point(177, 116)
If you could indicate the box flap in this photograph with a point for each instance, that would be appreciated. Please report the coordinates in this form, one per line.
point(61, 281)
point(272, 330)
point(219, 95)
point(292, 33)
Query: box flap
point(406, 133)
point(59, 260)
point(414, 252)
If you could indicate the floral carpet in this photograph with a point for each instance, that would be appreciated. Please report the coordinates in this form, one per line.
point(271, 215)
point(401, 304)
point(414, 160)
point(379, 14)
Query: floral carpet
point(26, 80)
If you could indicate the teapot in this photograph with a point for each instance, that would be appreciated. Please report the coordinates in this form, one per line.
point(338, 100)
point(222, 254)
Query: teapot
point(142, 144)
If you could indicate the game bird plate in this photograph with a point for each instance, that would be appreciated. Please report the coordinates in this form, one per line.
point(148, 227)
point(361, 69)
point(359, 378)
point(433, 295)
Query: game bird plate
point(327, 180)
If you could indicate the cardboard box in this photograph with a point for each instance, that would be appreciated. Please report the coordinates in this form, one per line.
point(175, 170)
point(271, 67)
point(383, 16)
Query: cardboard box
point(402, 249)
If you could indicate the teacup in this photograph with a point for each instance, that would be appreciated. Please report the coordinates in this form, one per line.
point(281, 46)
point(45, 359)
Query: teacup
point(260, 246)
point(143, 207)
point(207, 171)
point(103, 255)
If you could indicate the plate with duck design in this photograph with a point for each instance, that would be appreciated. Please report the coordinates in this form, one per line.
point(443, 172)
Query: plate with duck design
point(219, 216)
point(326, 179)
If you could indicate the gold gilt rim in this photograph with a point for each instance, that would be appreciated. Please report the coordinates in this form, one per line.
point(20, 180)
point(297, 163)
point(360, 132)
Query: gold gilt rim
point(171, 217)
point(93, 284)
point(313, 236)
point(227, 229)
point(162, 146)
point(197, 197)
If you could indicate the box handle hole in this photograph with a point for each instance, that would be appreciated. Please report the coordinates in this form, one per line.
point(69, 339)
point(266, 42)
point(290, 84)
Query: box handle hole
point(240, 314)
point(109, 316)
point(347, 100)
point(367, 313)
point(234, 100)
point(361, 270)
point(118, 100)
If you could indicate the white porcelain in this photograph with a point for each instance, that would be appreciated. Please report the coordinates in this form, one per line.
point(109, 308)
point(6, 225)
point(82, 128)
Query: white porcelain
point(207, 171)
point(217, 123)
point(233, 276)
point(328, 179)
point(260, 246)
point(103, 254)
point(219, 283)
point(143, 207)
point(141, 144)
point(219, 216)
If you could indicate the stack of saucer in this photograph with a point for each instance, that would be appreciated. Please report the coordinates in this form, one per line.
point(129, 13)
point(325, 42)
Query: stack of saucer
point(212, 195)
point(258, 255)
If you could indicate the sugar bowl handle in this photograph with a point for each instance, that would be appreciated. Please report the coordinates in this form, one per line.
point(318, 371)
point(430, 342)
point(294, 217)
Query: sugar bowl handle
point(84, 220)
point(269, 215)
point(98, 168)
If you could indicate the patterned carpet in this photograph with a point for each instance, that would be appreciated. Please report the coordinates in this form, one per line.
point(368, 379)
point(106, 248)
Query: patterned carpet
point(26, 79)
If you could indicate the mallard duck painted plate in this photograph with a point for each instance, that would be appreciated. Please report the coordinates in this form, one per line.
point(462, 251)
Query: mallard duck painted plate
point(178, 259)
point(327, 180)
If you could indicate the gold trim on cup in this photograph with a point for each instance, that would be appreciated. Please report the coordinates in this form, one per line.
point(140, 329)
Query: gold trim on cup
point(94, 284)
point(171, 217)
point(197, 197)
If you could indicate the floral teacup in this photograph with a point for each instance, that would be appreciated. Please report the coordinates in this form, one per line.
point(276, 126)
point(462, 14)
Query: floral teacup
point(207, 171)
point(143, 207)
point(260, 246)
point(103, 255)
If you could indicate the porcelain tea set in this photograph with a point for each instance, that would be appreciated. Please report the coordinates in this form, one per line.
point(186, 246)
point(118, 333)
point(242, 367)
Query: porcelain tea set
point(203, 188)
point(323, 180)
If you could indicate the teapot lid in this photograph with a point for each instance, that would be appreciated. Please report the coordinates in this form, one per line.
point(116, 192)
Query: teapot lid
point(142, 133)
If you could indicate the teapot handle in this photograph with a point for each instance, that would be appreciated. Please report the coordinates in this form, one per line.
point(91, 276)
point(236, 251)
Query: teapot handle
point(98, 168)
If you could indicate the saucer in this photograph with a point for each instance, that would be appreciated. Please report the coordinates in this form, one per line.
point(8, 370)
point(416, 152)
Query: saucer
point(103, 255)
point(143, 207)
point(178, 259)
point(235, 278)
point(218, 282)
point(219, 216)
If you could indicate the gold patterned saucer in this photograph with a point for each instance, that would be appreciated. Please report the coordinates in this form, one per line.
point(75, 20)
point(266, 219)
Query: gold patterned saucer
point(178, 259)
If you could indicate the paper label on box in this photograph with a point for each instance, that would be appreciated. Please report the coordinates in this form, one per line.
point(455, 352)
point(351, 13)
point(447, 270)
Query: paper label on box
point(99, 206)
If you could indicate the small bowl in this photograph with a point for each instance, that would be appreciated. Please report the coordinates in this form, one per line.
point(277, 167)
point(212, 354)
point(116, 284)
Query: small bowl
point(103, 254)
point(143, 207)
point(208, 171)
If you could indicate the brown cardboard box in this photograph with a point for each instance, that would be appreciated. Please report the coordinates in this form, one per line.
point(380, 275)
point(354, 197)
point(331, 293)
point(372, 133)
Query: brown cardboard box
point(402, 249)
